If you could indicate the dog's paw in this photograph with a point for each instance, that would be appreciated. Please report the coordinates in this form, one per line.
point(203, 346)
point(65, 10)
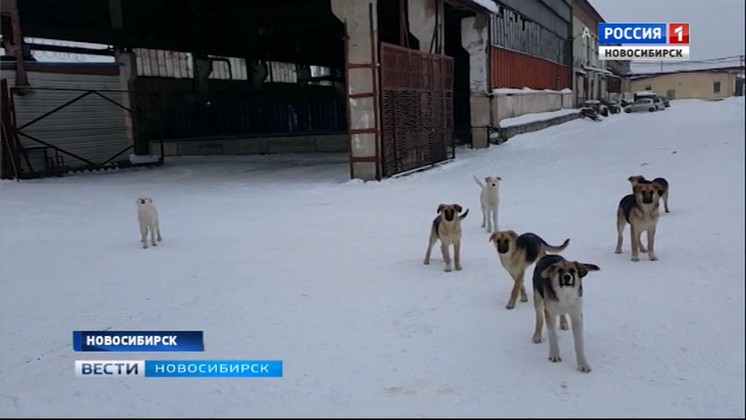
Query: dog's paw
point(510, 305)
point(524, 299)
point(617, 251)
point(554, 358)
point(459, 268)
point(585, 368)
point(426, 262)
point(564, 327)
point(635, 259)
point(155, 244)
point(447, 269)
point(653, 258)
point(536, 339)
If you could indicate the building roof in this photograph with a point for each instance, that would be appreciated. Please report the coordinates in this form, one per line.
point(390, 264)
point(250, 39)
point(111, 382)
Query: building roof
point(730, 69)
point(593, 10)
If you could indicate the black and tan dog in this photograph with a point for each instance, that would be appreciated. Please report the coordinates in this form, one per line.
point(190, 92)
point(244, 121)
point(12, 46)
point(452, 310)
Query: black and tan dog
point(637, 179)
point(447, 228)
point(641, 210)
point(517, 253)
point(558, 291)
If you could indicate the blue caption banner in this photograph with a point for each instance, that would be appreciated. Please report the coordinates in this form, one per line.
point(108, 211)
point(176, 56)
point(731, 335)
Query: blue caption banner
point(213, 368)
point(138, 341)
point(632, 33)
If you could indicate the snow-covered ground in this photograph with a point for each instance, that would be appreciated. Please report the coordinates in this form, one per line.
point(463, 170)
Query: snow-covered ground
point(298, 263)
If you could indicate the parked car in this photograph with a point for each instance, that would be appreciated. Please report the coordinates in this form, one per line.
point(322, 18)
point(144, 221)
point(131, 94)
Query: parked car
point(659, 103)
point(641, 105)
point(666, 102)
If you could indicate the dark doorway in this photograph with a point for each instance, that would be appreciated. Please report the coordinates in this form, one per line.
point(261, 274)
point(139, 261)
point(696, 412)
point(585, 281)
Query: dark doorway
point(393, 25)
point(461, 90)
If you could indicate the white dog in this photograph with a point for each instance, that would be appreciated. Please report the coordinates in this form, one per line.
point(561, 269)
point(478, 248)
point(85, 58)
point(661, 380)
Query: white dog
point(147, 216)
point(489, 199)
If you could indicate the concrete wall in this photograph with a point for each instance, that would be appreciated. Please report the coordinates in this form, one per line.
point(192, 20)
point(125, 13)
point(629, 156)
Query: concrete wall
point(422, 22)
point(475, 40)
point(361, 81)
point(514, 105)
point(330, 143)
point(689, 85)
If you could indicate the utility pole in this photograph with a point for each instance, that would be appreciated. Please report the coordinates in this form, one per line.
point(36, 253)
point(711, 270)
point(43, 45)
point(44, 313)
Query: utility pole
point(661, 66)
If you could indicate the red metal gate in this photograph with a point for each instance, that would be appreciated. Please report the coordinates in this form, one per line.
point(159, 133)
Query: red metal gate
point(416, 109)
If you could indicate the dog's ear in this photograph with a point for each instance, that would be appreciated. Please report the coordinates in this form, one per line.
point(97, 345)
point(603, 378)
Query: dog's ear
point(494, 237)
point(584, 268)
point(486, 179)
point(149, 200)
point(659, 188)
point(498, 178)
point(138, 200)
point(513, 234)
point(547, 273)
point(440, 208)
point(458, 208)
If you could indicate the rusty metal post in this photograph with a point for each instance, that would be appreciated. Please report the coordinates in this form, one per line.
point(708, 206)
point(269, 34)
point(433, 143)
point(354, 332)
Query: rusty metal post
point(11, 8)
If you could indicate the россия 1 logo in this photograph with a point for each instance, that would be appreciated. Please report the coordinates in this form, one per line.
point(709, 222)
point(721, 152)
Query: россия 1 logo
point(643, 41)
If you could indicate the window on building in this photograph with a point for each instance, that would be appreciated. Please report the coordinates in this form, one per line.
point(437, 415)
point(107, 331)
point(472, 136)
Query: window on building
point(716, 87)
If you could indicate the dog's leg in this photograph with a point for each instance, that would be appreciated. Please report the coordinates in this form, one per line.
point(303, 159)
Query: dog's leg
point(563, 322)
point(494, 219)
point(446, 256)
point(430, 244)
point(524, 295)
point(577, 335)
point(551, 319)
point(619, 232)
point(665, 201)
point(634, 238)
point(457, 255)
point(158, 230)
point(539, 309)
point(484, 216)
point(651, 244)
point(144, 236)
point(517, 285)
point(152, 234)
point(639, 242)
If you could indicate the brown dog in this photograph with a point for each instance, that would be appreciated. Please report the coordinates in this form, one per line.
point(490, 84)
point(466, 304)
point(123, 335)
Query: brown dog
point(558, 290)
point(447, 228)
point(641, 211)
point(636, 179)
point(517, 253)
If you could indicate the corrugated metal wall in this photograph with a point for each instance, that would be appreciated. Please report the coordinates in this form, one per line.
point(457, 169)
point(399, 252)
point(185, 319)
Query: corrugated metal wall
point(511, 69)
point(91, 128)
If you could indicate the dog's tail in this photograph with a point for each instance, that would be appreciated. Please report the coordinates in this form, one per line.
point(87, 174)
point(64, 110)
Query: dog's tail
point(463, 216)
point(553, 248)
point(478, 181)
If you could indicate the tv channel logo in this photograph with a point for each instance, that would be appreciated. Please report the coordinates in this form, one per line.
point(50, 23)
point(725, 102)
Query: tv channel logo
point(109, 368)
point(678, 33)
point(644, 41)
point(643, 33)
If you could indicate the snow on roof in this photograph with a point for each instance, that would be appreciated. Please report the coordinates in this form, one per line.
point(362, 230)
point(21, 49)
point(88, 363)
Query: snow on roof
point(527, 91)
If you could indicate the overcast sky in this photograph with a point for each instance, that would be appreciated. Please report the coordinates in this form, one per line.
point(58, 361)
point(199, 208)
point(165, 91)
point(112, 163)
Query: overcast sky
point(716, 27)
